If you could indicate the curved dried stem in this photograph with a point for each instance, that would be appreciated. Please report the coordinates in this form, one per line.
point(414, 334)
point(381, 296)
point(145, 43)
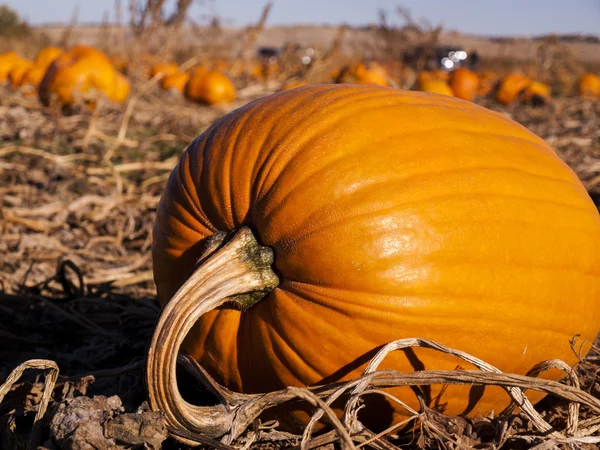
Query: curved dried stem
point(236, 270)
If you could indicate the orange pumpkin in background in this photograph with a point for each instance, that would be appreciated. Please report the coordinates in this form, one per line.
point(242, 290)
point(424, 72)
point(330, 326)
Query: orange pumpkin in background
point(78, 71)
point(165, 69)
point(369, 73)
point(193, 86)
point(537, 93)
point(256, 71)
point(510, 87)
point(441, 75)
point(34, 74)
point(423, 77)
point(437, 74)
point(435, 86)
point(391, 214)
point(175, 81)
point(464, 84)
point(589, 85)
point(210, 88)
point(121, 89)
point(7, 62)
point(47, 55)
point(18, 71)
point(487, 80)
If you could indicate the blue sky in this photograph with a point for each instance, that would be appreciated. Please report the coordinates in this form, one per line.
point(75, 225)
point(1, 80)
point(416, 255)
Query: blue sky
point(489, 17)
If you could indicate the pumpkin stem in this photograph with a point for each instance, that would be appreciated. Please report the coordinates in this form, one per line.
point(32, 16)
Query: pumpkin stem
point(234, 268)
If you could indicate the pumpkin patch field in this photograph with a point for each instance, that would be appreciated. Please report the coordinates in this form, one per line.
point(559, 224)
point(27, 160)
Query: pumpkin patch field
point(303, 237)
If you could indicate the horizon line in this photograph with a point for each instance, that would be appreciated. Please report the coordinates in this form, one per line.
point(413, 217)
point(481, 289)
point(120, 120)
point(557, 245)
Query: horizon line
point(578, 34)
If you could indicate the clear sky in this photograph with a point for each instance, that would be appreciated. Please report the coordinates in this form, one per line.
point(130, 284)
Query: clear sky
point(489, 17)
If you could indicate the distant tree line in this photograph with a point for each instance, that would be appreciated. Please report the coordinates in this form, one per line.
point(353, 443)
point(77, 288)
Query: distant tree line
point(11, 25)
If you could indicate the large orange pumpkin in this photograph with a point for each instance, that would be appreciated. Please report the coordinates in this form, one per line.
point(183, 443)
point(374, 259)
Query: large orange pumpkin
point(589, 85)
point(510, 87)
point(210, 87)
point(464, 84)
point(76, 72)
point(391, 214)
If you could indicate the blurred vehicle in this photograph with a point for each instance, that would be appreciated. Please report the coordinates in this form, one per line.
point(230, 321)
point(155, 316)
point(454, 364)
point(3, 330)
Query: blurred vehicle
point(447, 58)
point(268, 54)
point(305, 54)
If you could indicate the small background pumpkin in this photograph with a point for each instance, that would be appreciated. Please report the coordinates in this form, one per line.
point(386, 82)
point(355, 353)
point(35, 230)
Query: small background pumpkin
point(79, 70)
point(35, 73)
point(210, 87)
point(537, 93)
point(435, 86)
point(589, 85)
point(363, 73)
point(510, 87)
point(175, 81)
point(18, 72)
point(165, 69)
point(7, 62)
point(464, 84)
